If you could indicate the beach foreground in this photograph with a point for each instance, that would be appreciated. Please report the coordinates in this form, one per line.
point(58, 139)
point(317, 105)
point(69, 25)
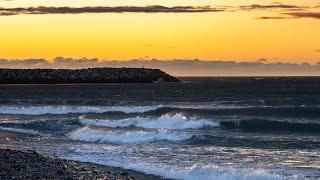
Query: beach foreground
point(16, 164)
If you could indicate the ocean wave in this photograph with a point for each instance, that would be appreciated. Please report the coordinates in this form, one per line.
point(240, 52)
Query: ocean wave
point(270, 111)
point(52, 127)
point(24, 131)
point(193, 108)
point(269, 125)
point(61, 109)
point(123, 136)
point(177, 121)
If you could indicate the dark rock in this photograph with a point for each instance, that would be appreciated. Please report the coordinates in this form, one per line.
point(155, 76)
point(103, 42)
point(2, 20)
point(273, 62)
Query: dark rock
point(124, 173)
point(30, 165)
point(91, 75)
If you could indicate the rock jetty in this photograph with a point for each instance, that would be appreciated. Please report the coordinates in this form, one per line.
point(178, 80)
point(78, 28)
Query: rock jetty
point(91, 75)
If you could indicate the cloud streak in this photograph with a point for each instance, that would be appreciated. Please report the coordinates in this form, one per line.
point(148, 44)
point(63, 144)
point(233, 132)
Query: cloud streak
point(294, 15)
point(117, 9)
point(272, 6)
point(142, 9)
point(288, 11)
point(295, 11)
point(272, 17)
point(315, 15)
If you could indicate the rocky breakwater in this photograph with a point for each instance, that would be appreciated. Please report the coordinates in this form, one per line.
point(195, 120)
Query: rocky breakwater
point(91, 75)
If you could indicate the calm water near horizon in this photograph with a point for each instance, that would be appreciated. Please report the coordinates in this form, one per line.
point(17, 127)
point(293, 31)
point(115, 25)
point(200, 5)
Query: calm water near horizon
point(202, 128)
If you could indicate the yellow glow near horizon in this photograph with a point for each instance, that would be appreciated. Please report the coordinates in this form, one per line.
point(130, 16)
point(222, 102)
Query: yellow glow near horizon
point(208, 36)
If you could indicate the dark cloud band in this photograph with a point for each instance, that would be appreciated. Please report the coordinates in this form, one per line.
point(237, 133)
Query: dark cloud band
point(287, 11)
point(294, 15)
point(272, 6)
point(118, 9)
point(315, 15)
point(136, 9)
point(272, 17)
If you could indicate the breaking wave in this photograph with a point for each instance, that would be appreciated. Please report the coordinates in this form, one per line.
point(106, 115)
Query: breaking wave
point(230, 110)
point(177, 121)
point(122, 136)
point(158, 110)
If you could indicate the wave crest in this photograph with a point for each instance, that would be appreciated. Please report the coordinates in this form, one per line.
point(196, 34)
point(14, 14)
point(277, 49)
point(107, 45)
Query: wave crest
point(121, 136)
point(177, 121)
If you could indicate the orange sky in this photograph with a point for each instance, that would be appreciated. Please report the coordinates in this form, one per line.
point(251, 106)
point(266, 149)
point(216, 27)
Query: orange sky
point(230, 35)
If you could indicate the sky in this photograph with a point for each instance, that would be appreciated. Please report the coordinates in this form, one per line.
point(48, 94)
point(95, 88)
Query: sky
point(285, 31)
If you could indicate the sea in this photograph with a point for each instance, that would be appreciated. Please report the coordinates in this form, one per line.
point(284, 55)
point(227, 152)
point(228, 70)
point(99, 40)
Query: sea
point(201, 128)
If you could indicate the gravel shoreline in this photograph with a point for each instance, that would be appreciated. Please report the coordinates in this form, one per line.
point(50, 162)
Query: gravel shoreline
point(17, 164)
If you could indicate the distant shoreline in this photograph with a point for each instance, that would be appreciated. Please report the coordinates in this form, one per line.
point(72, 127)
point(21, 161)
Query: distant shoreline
point(82, 76)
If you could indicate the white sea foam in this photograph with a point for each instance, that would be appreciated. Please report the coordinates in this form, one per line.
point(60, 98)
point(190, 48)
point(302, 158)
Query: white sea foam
point(61, 109)
point(123, 136)
point(206, 172)
point(177, 121)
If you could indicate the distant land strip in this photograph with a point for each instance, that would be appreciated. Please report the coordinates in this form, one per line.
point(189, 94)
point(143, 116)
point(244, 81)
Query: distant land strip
point(90, 75)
